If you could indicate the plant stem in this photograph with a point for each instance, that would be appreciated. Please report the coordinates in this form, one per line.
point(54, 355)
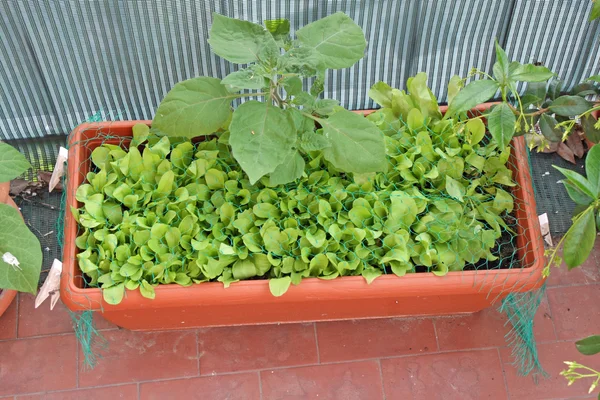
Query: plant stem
point(546, 271)
point(240, 95)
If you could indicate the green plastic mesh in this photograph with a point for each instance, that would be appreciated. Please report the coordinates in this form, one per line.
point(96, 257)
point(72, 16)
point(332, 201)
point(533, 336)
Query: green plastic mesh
point(201, 220)
point(520, 308)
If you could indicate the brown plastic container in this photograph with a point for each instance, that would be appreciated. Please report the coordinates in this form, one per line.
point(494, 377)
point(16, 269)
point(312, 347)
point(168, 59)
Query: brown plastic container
point(250, 302)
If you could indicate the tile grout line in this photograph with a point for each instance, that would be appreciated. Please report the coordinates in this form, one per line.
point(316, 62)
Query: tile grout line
point(110, 385)
point(317, 343)
point(260, 391)
point(503, 373)
point(39, 336)
point(76, 363)
point(437, 340)
point(570, 285)
point(547, 300)
point(197, 351)
point(17, 319)
point(381, 378)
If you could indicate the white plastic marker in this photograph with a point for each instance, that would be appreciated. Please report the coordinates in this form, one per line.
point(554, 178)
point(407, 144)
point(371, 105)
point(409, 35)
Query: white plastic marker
point(545, 227)
point(51, 286)
point(59, 168)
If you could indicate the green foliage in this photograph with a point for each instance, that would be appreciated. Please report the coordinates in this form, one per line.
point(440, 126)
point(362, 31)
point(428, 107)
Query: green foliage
point(517, 114)
point(269, 138)
point(589, 346)
point(12, 163)
point(595, 13)
point(579, 240)
point(20, 252)
point(174, 212)
point(16, 240)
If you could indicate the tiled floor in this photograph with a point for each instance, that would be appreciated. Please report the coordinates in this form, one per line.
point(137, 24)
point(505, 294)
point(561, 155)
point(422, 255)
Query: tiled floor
point(427, 358)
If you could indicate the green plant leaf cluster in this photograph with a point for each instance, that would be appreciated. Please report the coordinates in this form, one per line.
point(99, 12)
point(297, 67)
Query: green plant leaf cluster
point(542, 104)
point(270, 137)
point(20, 252)
point(165, 211)
point(579, 240)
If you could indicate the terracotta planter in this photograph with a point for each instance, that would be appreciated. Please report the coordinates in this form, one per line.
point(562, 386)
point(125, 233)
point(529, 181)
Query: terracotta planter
point(250, 302)
point(6, 296)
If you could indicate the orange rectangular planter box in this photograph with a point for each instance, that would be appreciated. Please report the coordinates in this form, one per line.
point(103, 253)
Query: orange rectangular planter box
point(250, 302)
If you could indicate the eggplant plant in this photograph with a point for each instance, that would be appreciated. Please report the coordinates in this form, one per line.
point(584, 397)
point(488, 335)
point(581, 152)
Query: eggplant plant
point(268, 137)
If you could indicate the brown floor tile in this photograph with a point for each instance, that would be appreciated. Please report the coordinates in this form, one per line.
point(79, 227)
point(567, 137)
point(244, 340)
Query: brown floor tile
point(464, 375)
point(374, 338)
point(551, 357)
point(125, 392)
point(101, 324)
point(575, 310)
point(487, 328)
point(136, 356)
point(38, 365)
point(357, 380)
point(240, 348)
point(236, 387)
point(42, 321)
point(8, 321)
point(586, 273)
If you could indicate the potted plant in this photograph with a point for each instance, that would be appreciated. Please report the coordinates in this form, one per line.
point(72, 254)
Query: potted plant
point(20, 252)
point(307, 211)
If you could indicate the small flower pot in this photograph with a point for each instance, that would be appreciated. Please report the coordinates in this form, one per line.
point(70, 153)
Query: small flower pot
point(250, 302)
point(6, 296)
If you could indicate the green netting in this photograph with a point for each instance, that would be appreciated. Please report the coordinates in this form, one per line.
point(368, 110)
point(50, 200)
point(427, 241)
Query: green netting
point(156, 211)
point(521, 309)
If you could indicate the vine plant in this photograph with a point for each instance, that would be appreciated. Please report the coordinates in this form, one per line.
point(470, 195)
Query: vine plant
point(268, 137)
point(541, 104)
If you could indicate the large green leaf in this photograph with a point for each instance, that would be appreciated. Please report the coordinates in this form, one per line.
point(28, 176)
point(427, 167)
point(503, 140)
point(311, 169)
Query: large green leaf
point(455, 188)
point(549, 128)
point(579, 240)
point(579, 181)
point(531, 73)
point(500, 68)
point(576, 194)
point(592, 167)
point(197, 106)
point(336, 38)
point(454, 86)
point(501, 124)
point(18, 243)
point(261, 138)
point(357, 145)
point(589, 346)
point(473, 94)
point(591, 132)
point(569, 105)
point(241, 42)
point(534, 94)
point(381, 93)
point(247, 78)
point(12, 163)
point(279, 286)
point(304, 61)
point(288, 171)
